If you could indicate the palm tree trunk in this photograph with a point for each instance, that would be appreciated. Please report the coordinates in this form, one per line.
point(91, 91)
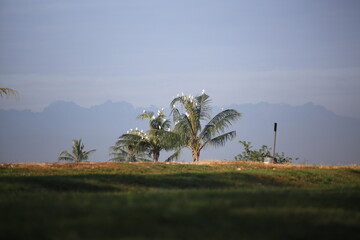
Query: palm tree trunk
point(155, 156)
point(196, 155)
point(131, 157)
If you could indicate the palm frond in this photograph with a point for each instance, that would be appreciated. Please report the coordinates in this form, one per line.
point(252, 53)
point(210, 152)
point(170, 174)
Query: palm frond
point(62, 158)
point(136, 142)
point(184, 127)
point(176, 115)
point(77, 149)
point(204, 108)
point(90, 152)
point(131, 146)
point(116, 150)
point(65, 156)
point(220, 140)
point(179, 99)
point(169, 140)
point(174, 156)
point(8, 92)
point(128, 156)
point(145, 115)
point(166, 125)
point(219, 123)
point(118, 158)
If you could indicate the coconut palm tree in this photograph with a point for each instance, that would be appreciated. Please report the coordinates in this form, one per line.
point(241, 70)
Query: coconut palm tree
point(125, 149)
point(193, 111)
point(78, 153)
point(159, 137)
point(7, 92)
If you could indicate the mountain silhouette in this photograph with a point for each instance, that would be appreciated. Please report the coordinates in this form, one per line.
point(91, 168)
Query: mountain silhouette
point(310, 132)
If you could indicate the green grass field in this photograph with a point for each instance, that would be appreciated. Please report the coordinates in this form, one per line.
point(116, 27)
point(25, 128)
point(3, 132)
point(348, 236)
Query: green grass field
point(238, 200)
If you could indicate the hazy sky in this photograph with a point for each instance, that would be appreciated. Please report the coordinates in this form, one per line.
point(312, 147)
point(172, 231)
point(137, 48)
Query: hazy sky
point(145, 52)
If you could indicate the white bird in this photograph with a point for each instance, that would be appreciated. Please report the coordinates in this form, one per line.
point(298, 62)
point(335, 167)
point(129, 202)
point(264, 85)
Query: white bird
point(144, 111)
point(136, 129)
point(127, 132)
point(203, 91)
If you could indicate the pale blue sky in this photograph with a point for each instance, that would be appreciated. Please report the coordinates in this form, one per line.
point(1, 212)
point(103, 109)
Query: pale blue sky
point(145, 52)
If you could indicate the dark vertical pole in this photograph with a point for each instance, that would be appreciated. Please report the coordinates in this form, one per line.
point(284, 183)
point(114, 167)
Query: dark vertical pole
point(275, 130)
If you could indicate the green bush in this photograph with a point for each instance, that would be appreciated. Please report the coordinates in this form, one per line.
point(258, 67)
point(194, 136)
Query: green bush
point(259, 155)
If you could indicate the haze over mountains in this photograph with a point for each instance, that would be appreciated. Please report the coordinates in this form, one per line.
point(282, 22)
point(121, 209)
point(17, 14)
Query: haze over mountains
point(310, 132)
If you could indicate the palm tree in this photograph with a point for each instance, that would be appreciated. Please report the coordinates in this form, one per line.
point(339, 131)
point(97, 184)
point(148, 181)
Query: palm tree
point(188, 124)
point(159, 137)
point(78, 153)
point(127, 150)
point(8, 92)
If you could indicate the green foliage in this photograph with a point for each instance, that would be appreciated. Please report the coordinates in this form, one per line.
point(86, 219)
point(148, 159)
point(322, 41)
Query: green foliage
point(137, 145)
point(281, 158)
point(187, 132)
point(253, 155)
point(259, 155)
point(78, 153)
point(124, 150)
point(8, 92)
point(195, 109)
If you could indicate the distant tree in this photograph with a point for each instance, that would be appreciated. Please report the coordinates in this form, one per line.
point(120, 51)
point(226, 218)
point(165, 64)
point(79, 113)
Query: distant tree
point(7, 92)
point(138, 143)
point(196, 109)
point(129, 151)
point(78, 153)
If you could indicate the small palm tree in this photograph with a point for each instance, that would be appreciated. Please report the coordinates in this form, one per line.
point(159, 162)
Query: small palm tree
point(124, 150)
point(188, 124)
point(78, 153)
point(159, 137)
point(7, 92)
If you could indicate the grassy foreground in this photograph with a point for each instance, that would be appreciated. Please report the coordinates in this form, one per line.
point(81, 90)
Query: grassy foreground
point(234, 200)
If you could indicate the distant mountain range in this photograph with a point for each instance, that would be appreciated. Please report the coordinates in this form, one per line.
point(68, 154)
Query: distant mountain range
point(310, 132)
